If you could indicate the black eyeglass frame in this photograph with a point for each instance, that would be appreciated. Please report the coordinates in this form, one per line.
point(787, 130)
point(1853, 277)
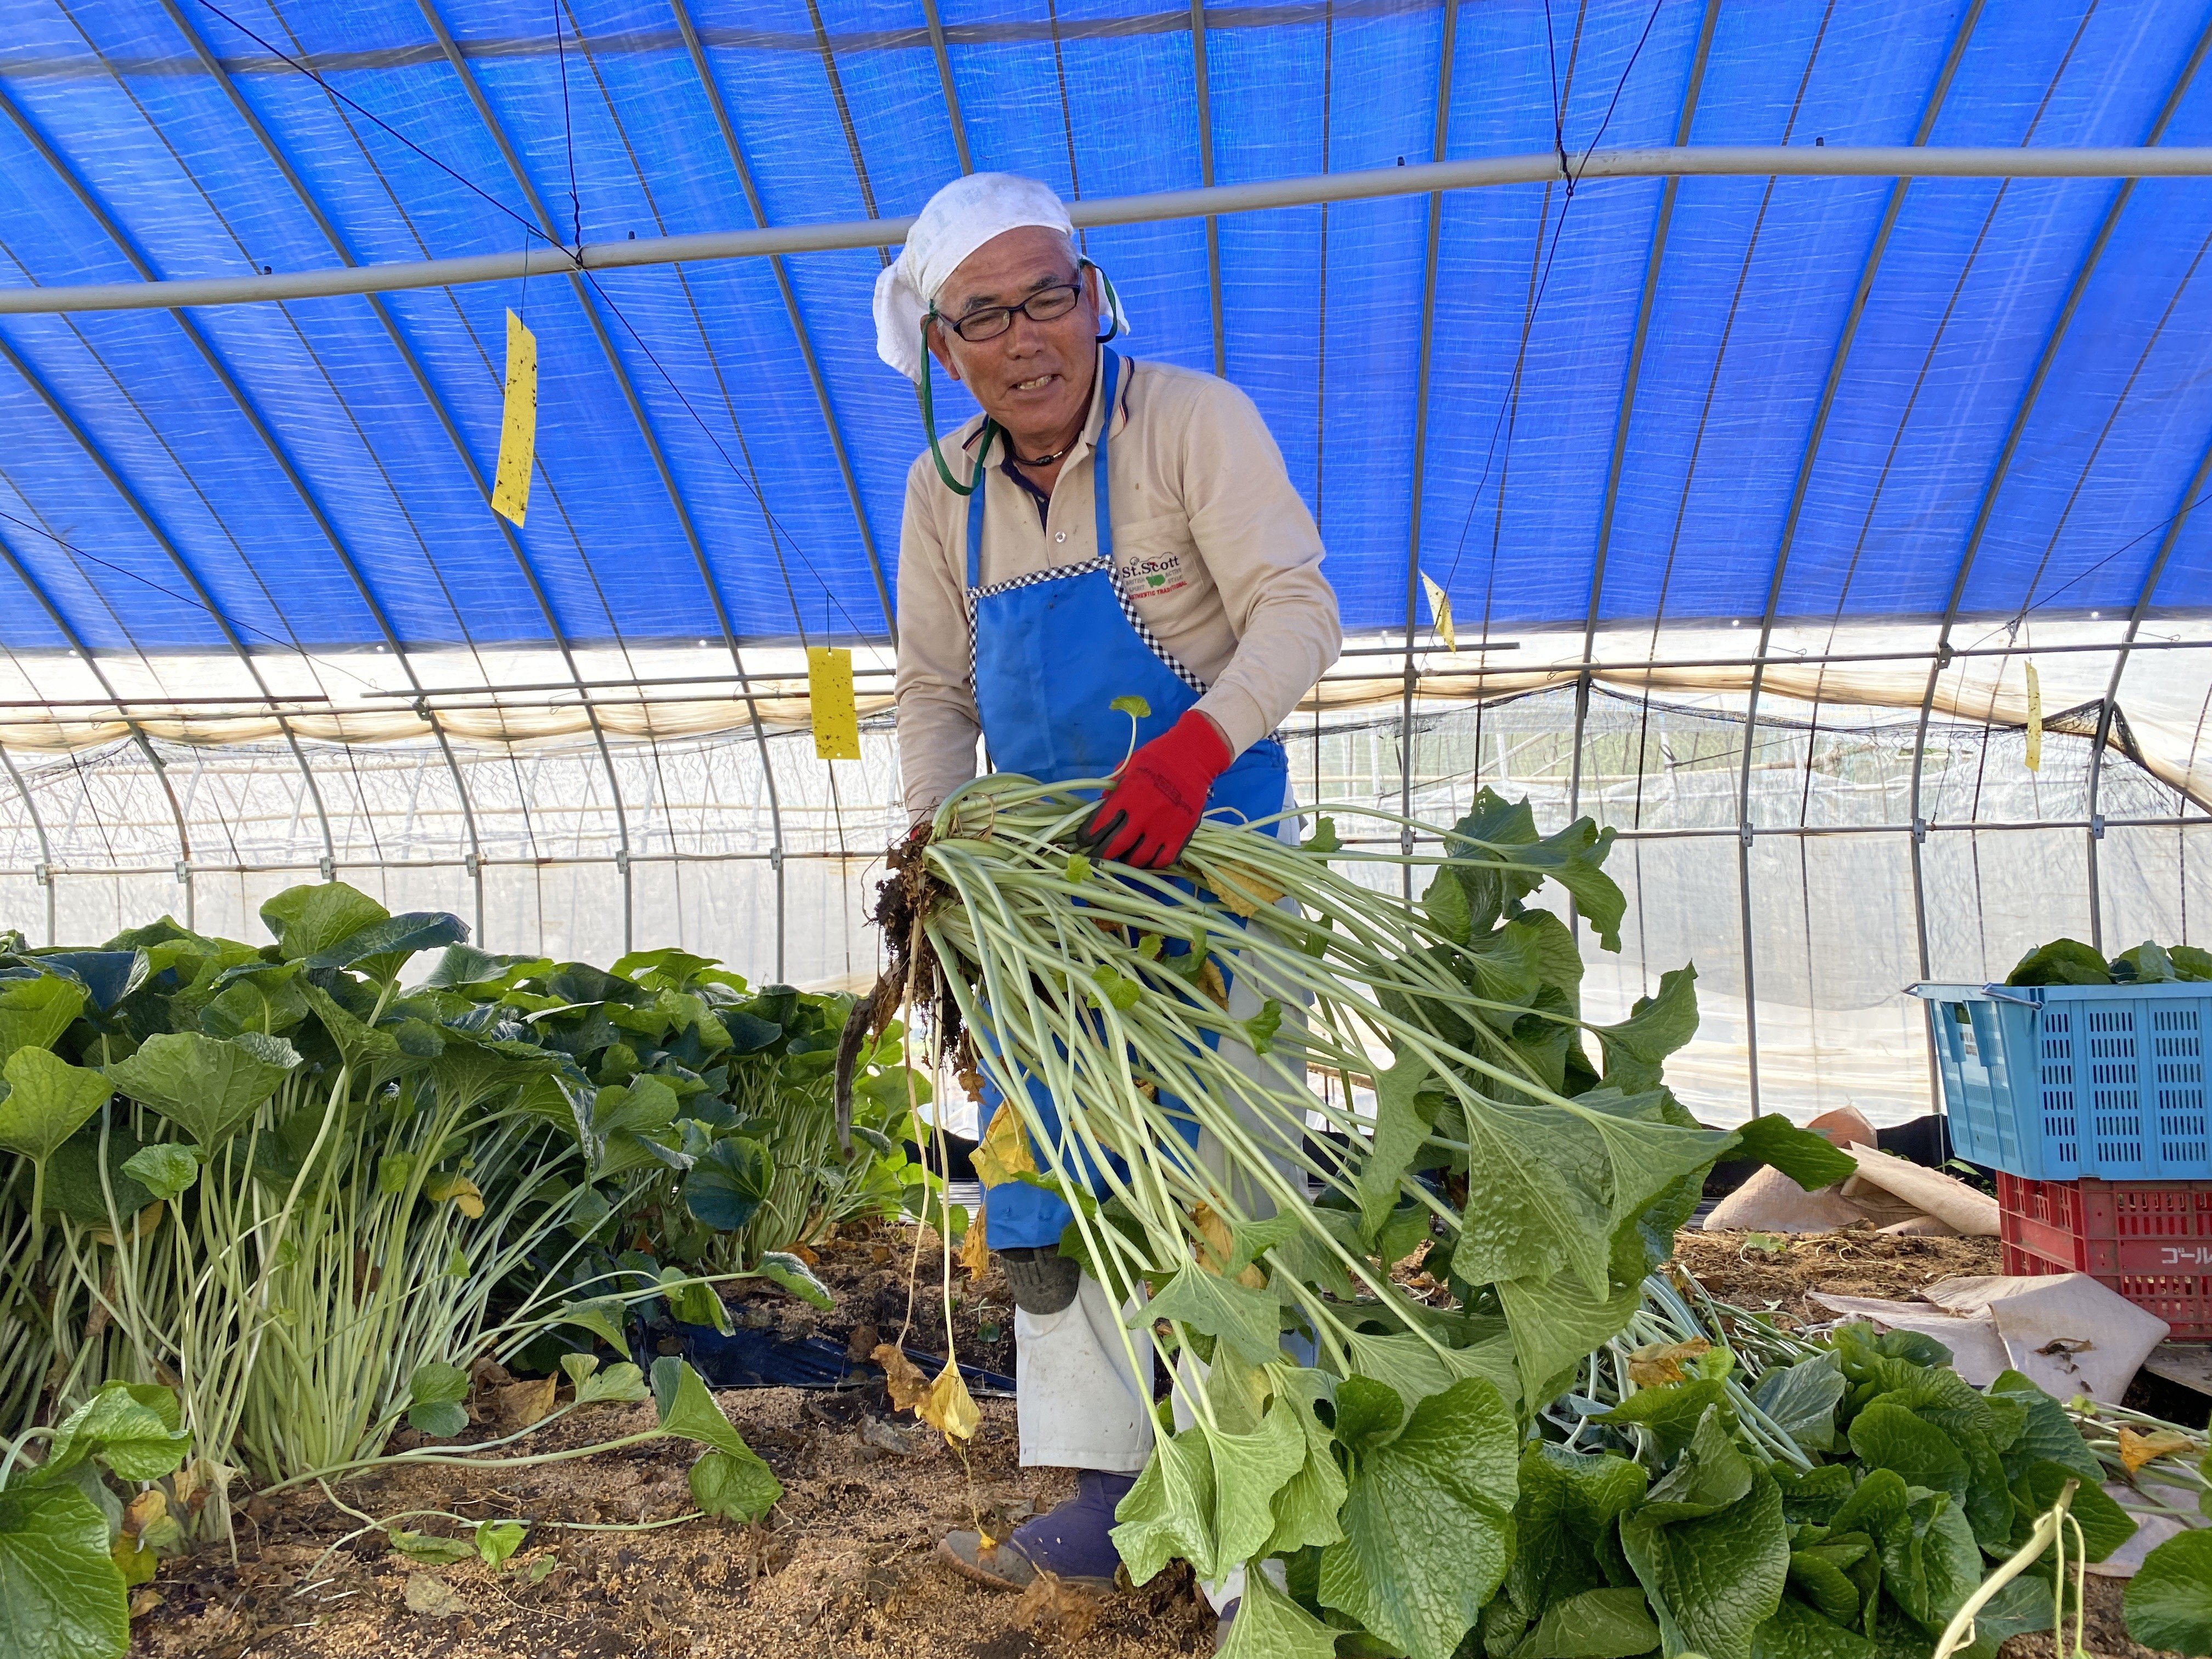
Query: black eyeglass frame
point(1005, 314)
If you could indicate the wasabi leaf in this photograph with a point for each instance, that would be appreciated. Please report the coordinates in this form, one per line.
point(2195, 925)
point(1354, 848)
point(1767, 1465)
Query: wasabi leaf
point(1219, 1308)
point(1249, 1471)
point(1599, 1624)
point(1802, 1398)
point(497, 1540)
point(36, 1011)
point(2169, 1601)
point(434, 1393)
point(48, 1100)
point(687, 1408)
point(1656, 1027)
point(61, 1594)
point(209, 1087)
point(783, 1268)
point(1428, 1523)
point(313, 917)
point(1168, 1513)
point(738, 1486)
point(163, 1169)
point(1269, 1624)
point(1810, 1160)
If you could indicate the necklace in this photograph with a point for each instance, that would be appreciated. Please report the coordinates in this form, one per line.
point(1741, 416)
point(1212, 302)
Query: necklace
point(1042, 460)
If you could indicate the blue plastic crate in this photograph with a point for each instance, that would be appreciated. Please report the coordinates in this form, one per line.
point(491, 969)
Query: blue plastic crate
point(2056, 1082)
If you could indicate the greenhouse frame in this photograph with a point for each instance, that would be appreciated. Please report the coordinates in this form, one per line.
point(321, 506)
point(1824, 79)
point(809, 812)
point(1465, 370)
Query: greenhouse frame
point(1797, 407)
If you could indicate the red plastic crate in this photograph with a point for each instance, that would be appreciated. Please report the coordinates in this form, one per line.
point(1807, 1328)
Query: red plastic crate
point(2149, 1240)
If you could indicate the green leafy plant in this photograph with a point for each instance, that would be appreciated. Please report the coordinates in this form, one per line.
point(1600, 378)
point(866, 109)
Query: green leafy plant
point(71, 1547)
point(1416, 1479)
point(2069, 962)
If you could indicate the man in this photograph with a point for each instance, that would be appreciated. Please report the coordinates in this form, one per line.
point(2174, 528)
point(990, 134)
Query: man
point(1107, 528)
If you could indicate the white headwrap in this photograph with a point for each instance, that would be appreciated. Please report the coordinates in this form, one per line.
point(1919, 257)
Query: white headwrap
point(959, 219)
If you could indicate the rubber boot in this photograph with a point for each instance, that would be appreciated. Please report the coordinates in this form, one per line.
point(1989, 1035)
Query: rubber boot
point(1072, 1542)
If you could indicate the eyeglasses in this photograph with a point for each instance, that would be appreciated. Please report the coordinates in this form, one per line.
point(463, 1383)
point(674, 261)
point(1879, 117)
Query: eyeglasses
point(1045, 306)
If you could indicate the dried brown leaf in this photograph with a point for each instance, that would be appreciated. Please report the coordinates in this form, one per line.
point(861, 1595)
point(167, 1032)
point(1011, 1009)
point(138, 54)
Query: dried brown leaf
point(1048, 1604)
point(1657, 1363)
point(1211, 982)
point(429, 1595)
point(518, 1404)
point(902, 1376)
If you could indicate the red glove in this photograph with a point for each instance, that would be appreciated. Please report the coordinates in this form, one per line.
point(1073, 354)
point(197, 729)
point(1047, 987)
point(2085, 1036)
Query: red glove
point(1147, 817)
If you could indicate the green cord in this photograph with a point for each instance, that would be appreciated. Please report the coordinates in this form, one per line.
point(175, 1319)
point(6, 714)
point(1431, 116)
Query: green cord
point(929, 425)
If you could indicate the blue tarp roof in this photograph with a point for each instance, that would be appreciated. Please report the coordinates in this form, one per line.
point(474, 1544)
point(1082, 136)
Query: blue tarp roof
point(295, 468)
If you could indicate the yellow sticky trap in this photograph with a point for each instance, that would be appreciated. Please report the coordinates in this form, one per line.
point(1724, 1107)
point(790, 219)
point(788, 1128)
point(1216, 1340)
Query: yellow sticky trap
point(1440, 612)
point(518, 425)
point(2034, 719)
point(829, 692)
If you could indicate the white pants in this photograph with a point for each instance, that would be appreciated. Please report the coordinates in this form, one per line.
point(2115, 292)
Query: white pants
point(1077, 1404)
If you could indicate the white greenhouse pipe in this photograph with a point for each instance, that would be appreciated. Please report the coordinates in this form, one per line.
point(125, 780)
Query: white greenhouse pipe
point(1796, 160)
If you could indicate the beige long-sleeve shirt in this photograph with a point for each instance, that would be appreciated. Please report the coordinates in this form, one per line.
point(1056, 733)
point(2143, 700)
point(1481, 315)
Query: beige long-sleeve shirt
point(1212, 545)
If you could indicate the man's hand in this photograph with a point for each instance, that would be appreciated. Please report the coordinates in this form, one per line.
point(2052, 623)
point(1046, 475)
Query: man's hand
point(1147, 817)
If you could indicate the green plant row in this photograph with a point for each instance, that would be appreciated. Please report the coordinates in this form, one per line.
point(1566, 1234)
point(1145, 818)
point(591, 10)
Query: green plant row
point(299, 1201)
point(1873, 1490)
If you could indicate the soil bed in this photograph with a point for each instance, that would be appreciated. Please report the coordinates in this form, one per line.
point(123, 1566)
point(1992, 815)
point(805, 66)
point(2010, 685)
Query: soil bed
point(868, 1270)
point(844, 1564)
point(1743, 1269)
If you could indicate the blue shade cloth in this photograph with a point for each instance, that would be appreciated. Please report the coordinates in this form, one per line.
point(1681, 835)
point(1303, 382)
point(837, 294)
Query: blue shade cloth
point(1854, 398)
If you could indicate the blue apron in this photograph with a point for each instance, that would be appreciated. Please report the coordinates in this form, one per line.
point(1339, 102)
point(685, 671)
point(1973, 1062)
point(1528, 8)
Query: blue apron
point(1051, 652)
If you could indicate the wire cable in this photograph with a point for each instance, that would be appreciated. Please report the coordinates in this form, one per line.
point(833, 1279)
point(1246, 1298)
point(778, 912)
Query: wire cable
point(752, 483)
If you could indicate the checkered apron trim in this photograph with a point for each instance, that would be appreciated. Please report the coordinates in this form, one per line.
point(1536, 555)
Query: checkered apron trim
point(1137, 623)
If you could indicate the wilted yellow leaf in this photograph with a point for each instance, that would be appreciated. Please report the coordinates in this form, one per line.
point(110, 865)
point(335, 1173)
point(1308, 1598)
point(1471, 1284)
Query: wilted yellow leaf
point(2137, 1449)
point(902, 1376)
point(144, 1509)
point(133, 1561)
point(1214, 1231)
point(458, 1187)
point(975, 1250)
point(1004, 1150)
point(1657, 1363)
point(1241, 889)
point(949, 1408)
point(1211, 982)
point(1219, 1246)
